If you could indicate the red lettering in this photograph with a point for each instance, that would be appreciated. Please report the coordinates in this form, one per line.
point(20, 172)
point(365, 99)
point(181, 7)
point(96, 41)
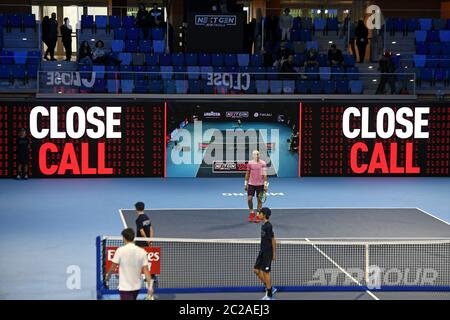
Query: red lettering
point(69, 160)
point(378, 160)
point(409, 159)
point(43, 158)
point(359, 146)
point(85, 169)
point(394, 159)
point(102, 169)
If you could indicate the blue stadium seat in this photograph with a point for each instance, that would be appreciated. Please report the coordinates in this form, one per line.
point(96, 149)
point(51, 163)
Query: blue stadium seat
point(399, 25)
point(157, 33)
point(140, 72)
point(178, 59)
point(316, 86)
point(99, 71)
point(87, 22)
point(296, 23)
point(411, 24)
point(262, 86)
point(126, 72)
point(32, 71)
point(111, 72)
point(125, 57)
point(276, 86)
point(33, 57)
point(120, 34)
point(204, 70)
point(151, 59)
point(440, 75)
point(117, 46)
point(419, 60)
point(425, 74)
point(230, 60)
point(191, 59)
point(349, 60)
point(256, 60)
point(204, 59)
point(322, 59)
point(15, 20)
point(329, 86)
point(421, 36)
point(295, 34)
point(130, 46)
point(243, 60)
point(114, 22)
point(217, 60)
point(338, 73)
point(29, 21)
point(319, 24)
point(165, 59)
point(158, 46)
point(99, 86)
point(332, 24)
point(356, 87)
point(433, 36)
point(301, 86)
point(169, 86)
point(5, 72)
point(299, 60)
point(305, 35)
point(128, 22)
point(101, 22)
point(312, 44)
point(434, 48)
point(166, 72)
point(127, 86)
point(425, 24)
point(193, 72)
point(445, 61)
point(141, 86)
point(145, 46)
point(272, 73)
point(85, 71)
point(444, 35)
point(195, 86)
point(312, 73)
point(153, 72)
point(288, 86)
point(20, 57)
point(342, 87)
point(181, 86)
point(433, 61)
point(352, 73)
point(113, 86)
point(445, 47)
point(6, 57)
point(132, 33)
point(390, 24)
point(207, 89)
point(325, 73)
point(138, 59)
point(155, 86)
point(421, 48)
point(180, 72)
point(220, 69)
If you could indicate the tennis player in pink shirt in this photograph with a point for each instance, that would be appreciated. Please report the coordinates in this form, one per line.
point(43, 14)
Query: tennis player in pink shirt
point(255, 182)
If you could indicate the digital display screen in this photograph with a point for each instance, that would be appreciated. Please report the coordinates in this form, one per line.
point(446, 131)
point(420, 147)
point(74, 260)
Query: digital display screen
point(85, 139)
point(374, 140)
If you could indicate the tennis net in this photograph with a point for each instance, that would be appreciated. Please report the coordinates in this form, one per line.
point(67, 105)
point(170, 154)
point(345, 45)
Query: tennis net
point(226, 265)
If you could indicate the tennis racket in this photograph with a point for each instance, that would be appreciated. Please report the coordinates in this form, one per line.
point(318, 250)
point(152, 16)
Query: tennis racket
point(262, 196)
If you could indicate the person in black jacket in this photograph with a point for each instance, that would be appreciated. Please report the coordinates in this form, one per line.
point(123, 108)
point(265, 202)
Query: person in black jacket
point(85, 54)
point(143, 20)
point(52, 36)
point(45, 26)
point(387, 68)
point(335, 57)
point(361, 33)
point(23, 150)
point(66, 34)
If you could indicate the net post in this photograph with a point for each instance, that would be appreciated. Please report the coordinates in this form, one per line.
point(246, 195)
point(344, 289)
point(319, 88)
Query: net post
point(366, 263)
point(98, 244)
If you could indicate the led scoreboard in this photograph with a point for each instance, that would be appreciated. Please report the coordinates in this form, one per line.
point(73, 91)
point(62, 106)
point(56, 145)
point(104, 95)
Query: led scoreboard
point(85, 139)
point(374, 140)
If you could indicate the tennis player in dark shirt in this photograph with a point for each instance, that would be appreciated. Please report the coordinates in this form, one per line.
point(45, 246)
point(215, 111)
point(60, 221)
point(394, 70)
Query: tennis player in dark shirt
point(266, 254)
point(23, 149)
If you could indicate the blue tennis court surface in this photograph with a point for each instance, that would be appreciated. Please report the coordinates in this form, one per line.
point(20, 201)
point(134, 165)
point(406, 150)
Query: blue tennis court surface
point(49, 226)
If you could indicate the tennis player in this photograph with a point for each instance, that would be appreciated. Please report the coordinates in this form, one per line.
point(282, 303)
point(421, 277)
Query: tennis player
point(255, 182)
point(266, 254)
point(131, 261)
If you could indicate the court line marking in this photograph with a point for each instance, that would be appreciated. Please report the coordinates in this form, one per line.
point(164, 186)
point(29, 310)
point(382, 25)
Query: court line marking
point(340, 268)
point(433, 216)
point(278, 208)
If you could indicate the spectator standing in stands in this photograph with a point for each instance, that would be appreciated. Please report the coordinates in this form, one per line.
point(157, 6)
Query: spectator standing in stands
point(387, 68)
point(45, 27)
point(66, 34)
point(361, 34)
point(348, 33)
point(85, 54)
point(143, 20)
point(335, 56)
point(249, 32)
point(155, 14)
point(311, 58)
point(52, 36)
point(286, 23)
